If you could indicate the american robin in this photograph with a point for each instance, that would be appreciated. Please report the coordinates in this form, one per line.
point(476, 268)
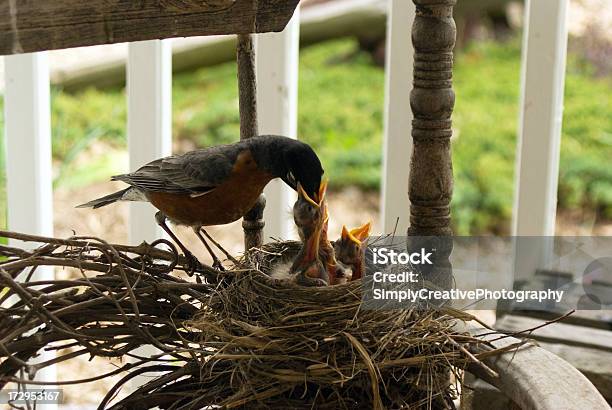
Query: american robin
point(217, 185)
point(350, 249)
point(308, 215)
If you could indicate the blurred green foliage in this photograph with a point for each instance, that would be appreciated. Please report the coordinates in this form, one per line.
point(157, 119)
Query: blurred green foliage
point(486, 119)
point(340, 109)
point(341, 113)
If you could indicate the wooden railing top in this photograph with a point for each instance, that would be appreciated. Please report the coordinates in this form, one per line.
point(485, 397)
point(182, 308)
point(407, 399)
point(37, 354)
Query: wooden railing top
point(534, 378)
point(29, 26)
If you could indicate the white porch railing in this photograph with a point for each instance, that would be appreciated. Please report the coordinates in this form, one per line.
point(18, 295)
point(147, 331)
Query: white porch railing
point(149, 131)
point(28, 136)
point(27, 130)
point(539, 136)
point(541, 113)
point(149, 125)
point(277, 56)
point(397, 145)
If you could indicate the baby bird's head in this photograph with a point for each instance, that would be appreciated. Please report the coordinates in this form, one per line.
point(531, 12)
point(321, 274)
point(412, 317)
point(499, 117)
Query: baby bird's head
point(350, 248)
point(309, 213)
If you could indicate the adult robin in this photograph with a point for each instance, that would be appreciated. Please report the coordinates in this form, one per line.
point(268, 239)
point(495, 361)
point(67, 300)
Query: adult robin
point(217, 185)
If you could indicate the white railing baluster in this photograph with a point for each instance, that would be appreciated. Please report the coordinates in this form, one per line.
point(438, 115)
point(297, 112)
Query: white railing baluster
point(397, 144)
point(277, 56)
point(541, 113)
point(149, 90)
point(28, 159)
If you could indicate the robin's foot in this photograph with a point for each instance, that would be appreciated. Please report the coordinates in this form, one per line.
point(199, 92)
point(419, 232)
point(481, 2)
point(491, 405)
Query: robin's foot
point(192, 263)
point(218, 265)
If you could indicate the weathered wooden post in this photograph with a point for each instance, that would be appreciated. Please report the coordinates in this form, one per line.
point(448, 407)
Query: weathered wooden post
point(432, 101)
point(253, 222)
point(430, 186)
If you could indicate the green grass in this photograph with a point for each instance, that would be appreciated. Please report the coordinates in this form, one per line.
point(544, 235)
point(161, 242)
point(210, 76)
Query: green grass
point(486, 118)
point(341, 112)
point(486, 82)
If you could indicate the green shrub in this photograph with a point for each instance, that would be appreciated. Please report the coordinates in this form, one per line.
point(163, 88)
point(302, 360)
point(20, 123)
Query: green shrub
point(486, 120)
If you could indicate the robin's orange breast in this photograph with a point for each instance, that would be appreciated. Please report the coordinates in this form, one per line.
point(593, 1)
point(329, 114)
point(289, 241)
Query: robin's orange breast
point(227, 203)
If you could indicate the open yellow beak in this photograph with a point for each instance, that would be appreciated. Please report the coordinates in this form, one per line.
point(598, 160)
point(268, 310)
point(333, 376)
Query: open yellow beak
point(303, 194)
point(322, 191)
point(357, 235)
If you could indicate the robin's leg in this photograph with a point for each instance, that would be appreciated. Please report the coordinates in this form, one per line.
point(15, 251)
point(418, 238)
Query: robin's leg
point(216, 262)
point(226, 253)
point(192, 261)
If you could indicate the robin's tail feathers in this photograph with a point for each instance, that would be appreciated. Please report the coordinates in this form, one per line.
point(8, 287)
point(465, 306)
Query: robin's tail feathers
point(123, 195)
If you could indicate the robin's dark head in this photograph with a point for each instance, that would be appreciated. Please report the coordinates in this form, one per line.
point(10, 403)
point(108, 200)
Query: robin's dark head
point(303, 167)
point(291, 160)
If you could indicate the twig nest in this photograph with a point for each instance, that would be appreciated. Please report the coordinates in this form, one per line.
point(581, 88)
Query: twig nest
point(281, 345)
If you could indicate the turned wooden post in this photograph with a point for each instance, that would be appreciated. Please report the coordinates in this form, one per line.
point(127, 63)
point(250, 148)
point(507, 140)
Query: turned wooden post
point(252, 222)
point(432, 100)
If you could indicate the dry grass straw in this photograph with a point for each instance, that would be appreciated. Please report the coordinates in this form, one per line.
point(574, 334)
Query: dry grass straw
point(241, 340)
point(280, 345)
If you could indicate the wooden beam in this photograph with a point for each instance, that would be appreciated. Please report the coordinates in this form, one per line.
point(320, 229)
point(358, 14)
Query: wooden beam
point(318, 22)
point(277, 59)
point(253, 222)
point(398, 118)
point(543, 78)
point(27, 26)
point(557, 332)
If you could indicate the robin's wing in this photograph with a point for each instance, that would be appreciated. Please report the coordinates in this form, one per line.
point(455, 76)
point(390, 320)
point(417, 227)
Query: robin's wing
point(195, 172)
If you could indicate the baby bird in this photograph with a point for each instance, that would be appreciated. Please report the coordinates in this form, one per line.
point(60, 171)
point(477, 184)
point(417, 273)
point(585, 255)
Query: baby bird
point(309, 217)
point(307, 268)
point(335, 271)
point(350, 249)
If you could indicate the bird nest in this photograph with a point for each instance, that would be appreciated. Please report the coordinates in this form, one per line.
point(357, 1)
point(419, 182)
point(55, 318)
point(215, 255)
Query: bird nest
point(234, 339)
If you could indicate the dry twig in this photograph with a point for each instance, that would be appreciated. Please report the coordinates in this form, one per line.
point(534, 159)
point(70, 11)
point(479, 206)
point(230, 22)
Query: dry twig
point(237, 339)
